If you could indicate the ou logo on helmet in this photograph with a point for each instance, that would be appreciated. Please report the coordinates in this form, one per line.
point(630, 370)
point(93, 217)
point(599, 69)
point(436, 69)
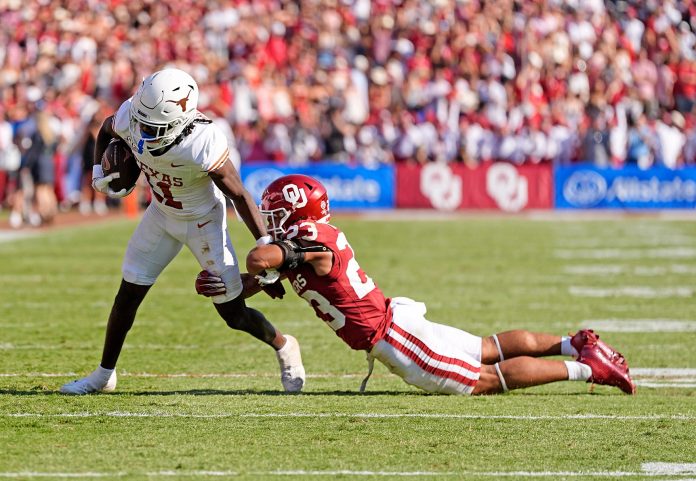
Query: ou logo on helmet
point(507, 187)
point(296, 196)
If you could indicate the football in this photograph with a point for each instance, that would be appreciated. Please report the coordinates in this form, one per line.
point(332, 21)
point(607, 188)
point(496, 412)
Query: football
point(119, 158)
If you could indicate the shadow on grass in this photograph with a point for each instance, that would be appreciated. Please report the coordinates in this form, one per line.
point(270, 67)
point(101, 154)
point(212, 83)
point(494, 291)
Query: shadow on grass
point(219, 392)
point(252, 392)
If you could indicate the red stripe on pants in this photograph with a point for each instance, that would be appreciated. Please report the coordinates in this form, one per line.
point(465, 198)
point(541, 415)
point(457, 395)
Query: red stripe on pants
point(455, 376)
point(433, 355)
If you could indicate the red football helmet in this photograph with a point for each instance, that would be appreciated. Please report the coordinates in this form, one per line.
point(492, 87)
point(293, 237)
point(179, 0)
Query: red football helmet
point(292, 198)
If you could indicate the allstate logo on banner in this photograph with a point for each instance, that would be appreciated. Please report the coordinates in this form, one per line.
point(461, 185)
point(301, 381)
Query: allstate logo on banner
point(349, 187)
point(585, 188)
point(257, 180)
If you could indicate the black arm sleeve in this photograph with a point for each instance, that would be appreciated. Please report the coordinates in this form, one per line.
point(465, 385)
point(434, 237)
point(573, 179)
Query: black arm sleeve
point(294, 254)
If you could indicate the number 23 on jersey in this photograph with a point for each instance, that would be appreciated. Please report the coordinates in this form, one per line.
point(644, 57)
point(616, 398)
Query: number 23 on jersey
point(319, 302)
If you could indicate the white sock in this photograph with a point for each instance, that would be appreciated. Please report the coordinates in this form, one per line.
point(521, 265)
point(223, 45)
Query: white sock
point(567, 348)
point(103, 374)
point(285, 347)
point(578, 371)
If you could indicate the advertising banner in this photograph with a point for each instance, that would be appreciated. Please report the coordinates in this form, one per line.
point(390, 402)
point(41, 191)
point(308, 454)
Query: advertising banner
point(498, 185)
point(588, 187)
point(349, 188)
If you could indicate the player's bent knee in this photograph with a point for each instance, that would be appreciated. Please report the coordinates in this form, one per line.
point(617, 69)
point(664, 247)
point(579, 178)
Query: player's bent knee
point(233, 286)
point(488, 382)
point(489, 350)
point(129, 295)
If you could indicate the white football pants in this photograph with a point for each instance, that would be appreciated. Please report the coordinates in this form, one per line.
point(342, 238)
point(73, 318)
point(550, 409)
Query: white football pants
point(159, 238)
point(433, 357)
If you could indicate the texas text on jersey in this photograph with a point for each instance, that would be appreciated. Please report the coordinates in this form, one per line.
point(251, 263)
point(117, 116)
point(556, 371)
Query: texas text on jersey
point(346, 298)
point(179, 177)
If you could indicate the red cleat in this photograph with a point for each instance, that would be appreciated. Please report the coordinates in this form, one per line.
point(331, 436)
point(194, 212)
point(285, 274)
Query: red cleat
point(609, 367)
point(581, 338)
point(588, 336)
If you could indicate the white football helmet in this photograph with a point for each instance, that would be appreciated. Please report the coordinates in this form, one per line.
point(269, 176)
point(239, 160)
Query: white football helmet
point(162, 107)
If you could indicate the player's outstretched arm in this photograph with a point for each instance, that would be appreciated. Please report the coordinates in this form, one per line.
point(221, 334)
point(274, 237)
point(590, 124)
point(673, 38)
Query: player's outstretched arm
point(210, 285)
point(228, 181)
point(262, 258)
point(285, 255)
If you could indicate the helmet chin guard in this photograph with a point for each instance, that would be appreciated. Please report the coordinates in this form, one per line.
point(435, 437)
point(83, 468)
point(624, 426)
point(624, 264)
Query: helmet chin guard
point(293, 198)
point(162, 107)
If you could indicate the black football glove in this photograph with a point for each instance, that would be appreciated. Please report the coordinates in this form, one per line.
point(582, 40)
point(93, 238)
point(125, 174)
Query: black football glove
point(275, 290)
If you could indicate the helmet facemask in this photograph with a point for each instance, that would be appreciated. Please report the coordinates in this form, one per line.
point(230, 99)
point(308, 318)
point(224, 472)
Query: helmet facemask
point(275, 220)
point(156, 135)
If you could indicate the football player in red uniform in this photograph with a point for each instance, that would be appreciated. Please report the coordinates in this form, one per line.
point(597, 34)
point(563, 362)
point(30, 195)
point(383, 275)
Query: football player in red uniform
point(320, 264)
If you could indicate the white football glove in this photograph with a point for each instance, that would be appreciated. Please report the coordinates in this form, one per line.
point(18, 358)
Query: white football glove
point(269, 277)
point(262, 241)
point(100, 183)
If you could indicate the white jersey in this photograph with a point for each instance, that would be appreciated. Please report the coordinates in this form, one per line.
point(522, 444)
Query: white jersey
point(179, 178)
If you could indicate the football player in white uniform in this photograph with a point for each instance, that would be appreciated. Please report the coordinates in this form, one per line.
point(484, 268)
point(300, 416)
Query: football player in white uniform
point(186, 160)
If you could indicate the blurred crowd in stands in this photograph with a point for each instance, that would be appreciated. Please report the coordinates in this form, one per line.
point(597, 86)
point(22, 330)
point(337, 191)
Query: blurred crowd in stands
point(370, 82)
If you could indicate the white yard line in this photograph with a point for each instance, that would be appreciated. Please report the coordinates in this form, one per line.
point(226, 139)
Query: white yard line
point(238, 375)
point(11, 236)
point(669, 468)
point(643, 292)
point(661, 385)
point(7, 346)
point(660, 469)
point(616, 269)
point(314, 415)
point(651, 253)
point(664, 372)
point(48, 474)
point(632, 241)
point(640, 325)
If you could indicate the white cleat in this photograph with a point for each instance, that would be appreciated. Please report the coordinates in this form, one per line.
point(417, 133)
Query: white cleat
point(90, 384)
point(292, 373)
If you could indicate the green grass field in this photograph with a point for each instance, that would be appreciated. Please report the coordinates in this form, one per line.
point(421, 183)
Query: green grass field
point(198, 401)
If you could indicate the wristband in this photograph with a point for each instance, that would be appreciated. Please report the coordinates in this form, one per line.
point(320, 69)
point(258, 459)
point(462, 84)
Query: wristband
point(262, 241)
point(293, 255)
point(97, 171)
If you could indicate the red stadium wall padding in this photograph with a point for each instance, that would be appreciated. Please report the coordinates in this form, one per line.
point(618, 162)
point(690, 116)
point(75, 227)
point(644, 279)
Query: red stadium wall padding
point(497, 185)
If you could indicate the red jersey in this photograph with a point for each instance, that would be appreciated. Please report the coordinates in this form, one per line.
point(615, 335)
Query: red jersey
point(346, 298)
